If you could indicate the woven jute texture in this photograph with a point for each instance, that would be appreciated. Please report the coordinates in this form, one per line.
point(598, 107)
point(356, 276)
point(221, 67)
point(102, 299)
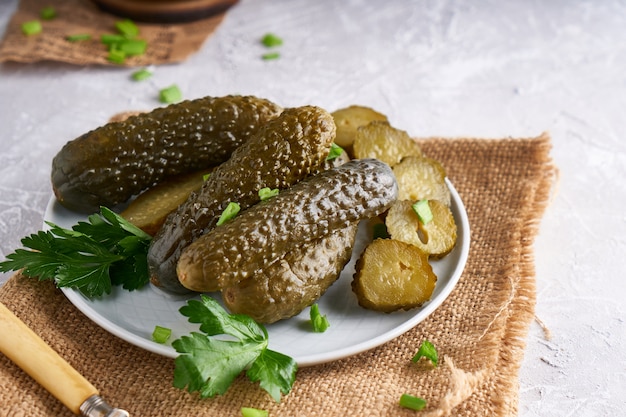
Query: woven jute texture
point(167, 43)
point(479, 330)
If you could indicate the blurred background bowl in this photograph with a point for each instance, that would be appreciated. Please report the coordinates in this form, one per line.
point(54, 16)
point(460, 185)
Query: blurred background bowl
point(165, 11)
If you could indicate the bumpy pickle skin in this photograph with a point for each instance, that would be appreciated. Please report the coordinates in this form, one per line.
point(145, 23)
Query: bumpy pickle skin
point(286, 150)
point(110, 164)
point(295, 281)
point(307, 211)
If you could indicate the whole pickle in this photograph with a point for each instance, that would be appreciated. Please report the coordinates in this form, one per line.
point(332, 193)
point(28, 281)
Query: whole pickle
point(304, 213)
point(286, 150)
point(295, 281)
point(110, 164)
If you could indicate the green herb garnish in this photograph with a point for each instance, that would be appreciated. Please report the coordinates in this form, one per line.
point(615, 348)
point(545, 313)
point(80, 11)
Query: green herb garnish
point(92, 256)
point(170, 94)
point(335, 151)
point(78, 37)
point(231, 210)
point(206, 177)
point(142, 74)
point(267, 193)
point(270, 55)
point(270, 40)
point(116, 56)
point(133, 46)
point(127, 27)
point(48, 13)
point(32, 27)
point(253, 412)
point(209, 364)
point(412, 403)
point(161, 334)
point(427, 350)
point(422, 209)
point(320, 323)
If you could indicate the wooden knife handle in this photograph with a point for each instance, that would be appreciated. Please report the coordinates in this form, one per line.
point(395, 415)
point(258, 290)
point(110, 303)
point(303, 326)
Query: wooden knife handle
point(28, 351)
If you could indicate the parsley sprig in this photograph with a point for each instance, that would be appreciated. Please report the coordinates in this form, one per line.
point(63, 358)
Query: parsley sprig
point(209, 362)
point(92, 256)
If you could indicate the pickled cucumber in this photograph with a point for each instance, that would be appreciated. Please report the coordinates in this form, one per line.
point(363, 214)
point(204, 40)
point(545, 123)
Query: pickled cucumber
point(285, 151)
point(304, 213)
point(294, 282)
point(108, 165)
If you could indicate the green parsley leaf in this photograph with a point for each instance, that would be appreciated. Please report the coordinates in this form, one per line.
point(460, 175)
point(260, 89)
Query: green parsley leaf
point(32, 27)
point(231, 210)
point(270, 56)
point(78, 37)
point(253, 412)
point(209, 364)
point(92, 256)
point(171, 94)
point(411, 402)
point(428, 351)
point(142, 74)
point(335, 152)
point(161, 334)
point(422, 209)
point(267, 193)
point(270, 40)
point(127, 27)
point(48, 13)
point(320, 323)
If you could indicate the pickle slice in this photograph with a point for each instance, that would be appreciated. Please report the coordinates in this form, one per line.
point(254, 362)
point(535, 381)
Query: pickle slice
point(436, 238)
point(382, 141)
point(421, 178)
point(392, 275)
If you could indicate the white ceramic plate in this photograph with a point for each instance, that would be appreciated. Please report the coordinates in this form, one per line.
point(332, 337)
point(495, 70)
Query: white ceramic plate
point(132, 316)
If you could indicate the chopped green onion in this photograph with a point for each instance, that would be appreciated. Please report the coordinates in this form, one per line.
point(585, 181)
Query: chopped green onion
point(133, 46)
point(271, 55)
point(142, 74)
point(335, 151)
point(205, 177)
point(422, 209)
point(170, 94)
point(116, 56)
point(253, 412)
point(411, 402)
point(32, 27)
point(319, 322)
point(267, 193)
point(109, 39)
point(78, 37)
point(270, 40)
point(161, 334)
point(127, 27)
point(379, 231)
point(48, 13)
point(428, 351)
point(231, 210)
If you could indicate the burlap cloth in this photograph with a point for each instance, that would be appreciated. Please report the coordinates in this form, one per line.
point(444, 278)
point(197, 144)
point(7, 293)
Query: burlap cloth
point(167, 43)
point(479, 330)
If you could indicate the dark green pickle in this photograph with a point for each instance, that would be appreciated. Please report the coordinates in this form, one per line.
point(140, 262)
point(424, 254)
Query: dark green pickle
point(286, 150)
point(110, 164)
point(306, 212)
point(294, 282)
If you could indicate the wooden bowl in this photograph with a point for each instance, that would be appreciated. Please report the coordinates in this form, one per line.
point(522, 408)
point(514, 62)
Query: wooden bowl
point(165, 11)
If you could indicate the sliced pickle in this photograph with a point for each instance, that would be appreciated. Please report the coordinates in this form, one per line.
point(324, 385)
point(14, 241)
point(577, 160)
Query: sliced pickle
point(382, 141)
point(348, 119)
point(436, 238)
point(392, 275)
point(421, 178)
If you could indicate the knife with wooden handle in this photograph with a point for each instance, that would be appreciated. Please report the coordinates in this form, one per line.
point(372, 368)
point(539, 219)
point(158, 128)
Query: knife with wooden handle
point(28, 351)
